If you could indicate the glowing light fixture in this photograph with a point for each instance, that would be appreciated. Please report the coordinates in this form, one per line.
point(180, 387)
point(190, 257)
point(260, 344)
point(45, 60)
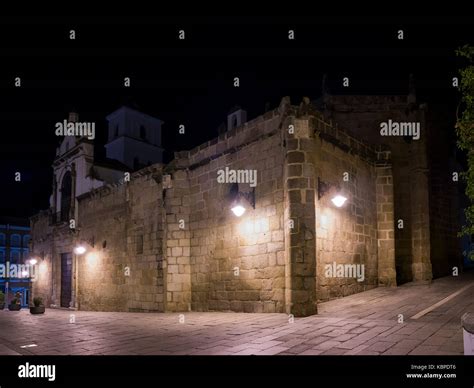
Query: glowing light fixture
point(339, 200)
point(237, 197)
point(80, 250)
point(238, 210)
point(33, 261)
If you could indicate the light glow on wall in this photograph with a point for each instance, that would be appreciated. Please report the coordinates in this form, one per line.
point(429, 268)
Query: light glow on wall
point(261, 225)
point(43, 268)
point(92, 258)
point(324, 220)
point(250, 227)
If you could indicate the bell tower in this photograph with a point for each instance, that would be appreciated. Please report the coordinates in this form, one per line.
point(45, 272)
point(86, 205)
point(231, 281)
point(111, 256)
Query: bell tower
point(134, 138)
point(74, 158)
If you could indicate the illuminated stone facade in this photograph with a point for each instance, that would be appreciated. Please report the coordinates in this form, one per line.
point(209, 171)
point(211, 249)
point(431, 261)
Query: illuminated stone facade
point(166, 240)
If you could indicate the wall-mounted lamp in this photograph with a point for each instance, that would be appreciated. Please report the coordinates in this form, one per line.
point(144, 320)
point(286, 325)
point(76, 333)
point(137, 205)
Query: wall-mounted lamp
point(81, 248)
point(237, 199)
point(238, 210)
point(339, 200)
point(32, 261)
point(324, 187)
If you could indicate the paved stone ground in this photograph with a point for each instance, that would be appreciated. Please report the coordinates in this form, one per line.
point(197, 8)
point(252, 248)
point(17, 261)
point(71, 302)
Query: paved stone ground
point(365, 323)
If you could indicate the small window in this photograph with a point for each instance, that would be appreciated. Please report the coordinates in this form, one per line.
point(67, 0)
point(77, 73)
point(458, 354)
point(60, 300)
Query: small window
point(26, 240)
point(2, 256)
point(234, 122)
point(142, 132)
point(2, 239)
point(14, 256)
point(15, 240)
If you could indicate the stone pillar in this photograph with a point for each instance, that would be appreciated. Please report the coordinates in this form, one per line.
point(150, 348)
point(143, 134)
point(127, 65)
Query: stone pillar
point(385, 221)
point(420, 210)
point(300, 297)
point(177, 236)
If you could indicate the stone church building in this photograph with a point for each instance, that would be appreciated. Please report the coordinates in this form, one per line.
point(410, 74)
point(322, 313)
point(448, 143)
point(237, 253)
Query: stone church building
point(332, 196)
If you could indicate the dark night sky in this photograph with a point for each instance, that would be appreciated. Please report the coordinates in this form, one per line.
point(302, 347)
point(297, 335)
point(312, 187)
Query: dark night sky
point(190, 82)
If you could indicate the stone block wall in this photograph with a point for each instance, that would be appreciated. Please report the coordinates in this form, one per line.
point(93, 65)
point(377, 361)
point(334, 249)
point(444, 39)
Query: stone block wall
point(176, 243)
point(123, 271)
point(236, 263)
point(385, 220)
point(346, 235)
point(361, 116)
point(41, 245)
point(121, 227)
point(168, 241)
point(48, 243)
point(300, 185)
